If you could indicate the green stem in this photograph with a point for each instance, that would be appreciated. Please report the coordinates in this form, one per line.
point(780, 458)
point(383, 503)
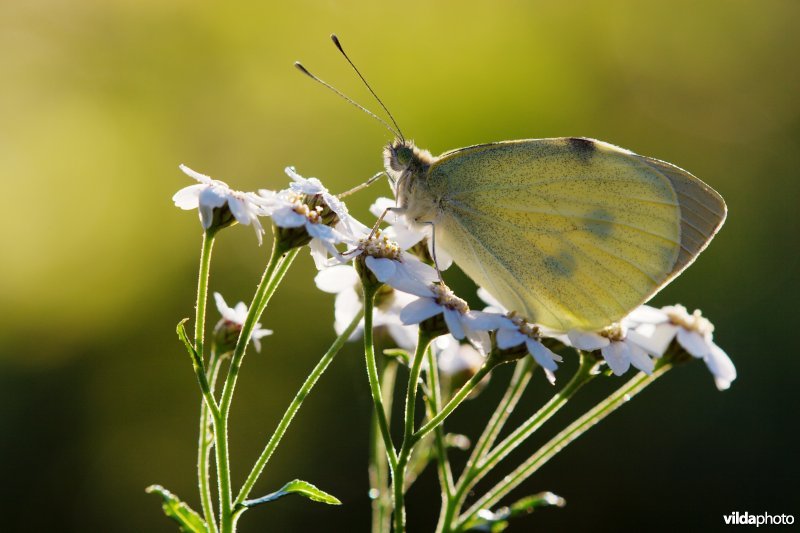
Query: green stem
point(279, 263)
point(434, 401)
point(399, 470)
point(372, 374)
point(204, 447)
point(564, 438)
point(516, 386)
point(294, 406)
point(583, 375)
point(208, 402)
point(202, 293)
point(378, 466)
point(456, 400)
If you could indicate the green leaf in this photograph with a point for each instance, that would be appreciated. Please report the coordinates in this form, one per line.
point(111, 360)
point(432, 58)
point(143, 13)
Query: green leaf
point(497, 521)
point(300, 487)
point(529, 503)
point(188, 520)
point(181, 331)
point(398, 353)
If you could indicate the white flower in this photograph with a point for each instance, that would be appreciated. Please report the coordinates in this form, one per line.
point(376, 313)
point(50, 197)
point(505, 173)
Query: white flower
point(400, 231)
point(438, 299)
point(314, 187)
point(212, 194)
point(694, 333)
point(235, 317)
point(390, 264)
point(453, 357)
point(513, 330)
point(304, 205)
point(622, 344)
point(343, 281)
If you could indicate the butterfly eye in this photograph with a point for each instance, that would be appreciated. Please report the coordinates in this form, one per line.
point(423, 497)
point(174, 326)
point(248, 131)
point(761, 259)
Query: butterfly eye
point(404, 155)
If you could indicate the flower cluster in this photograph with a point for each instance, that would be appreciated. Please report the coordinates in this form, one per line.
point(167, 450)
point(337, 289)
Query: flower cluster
point(398, 258)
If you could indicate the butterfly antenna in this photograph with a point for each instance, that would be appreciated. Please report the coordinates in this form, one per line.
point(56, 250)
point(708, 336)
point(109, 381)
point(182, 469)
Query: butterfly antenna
point(338, 44)
point(305, 71)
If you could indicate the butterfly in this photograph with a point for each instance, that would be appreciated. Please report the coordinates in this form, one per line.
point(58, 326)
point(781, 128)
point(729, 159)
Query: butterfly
point(570, 233)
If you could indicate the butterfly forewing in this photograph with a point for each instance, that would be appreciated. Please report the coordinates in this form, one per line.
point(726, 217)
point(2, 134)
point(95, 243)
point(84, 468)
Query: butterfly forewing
point(573, 233)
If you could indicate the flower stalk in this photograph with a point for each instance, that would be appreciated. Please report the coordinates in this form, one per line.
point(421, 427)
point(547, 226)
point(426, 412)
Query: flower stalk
point(580, 426)
point(294, 406)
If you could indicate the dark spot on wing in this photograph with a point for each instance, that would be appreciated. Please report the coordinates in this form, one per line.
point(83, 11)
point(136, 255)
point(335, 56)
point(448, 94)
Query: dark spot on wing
point(599, 222)
point(583, 148)
point(561, 265)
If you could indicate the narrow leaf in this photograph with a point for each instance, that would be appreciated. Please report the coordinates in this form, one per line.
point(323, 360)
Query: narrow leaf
point(188, 520)
point(529, 503)
point(398, 353)
point(181, 331)
point(495, 521)
point(300, 487)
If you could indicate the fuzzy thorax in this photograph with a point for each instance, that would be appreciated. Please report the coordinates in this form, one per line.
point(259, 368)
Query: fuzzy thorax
point(408, 167)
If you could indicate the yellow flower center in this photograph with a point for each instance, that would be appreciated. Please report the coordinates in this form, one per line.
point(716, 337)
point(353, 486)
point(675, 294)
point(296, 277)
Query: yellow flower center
point(679, 316)
point(614, 332)
point(525, 327)
point(446, 298)
point(380, 246)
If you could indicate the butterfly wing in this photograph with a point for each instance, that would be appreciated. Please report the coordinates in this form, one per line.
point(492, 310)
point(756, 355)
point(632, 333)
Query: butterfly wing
point(572, 233)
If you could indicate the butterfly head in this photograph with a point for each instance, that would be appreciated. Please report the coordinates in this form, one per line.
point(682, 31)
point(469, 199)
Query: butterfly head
point(403, 157)
point(407, 167)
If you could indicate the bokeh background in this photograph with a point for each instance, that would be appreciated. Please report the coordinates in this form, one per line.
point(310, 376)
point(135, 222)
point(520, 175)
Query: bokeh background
point(101, 100)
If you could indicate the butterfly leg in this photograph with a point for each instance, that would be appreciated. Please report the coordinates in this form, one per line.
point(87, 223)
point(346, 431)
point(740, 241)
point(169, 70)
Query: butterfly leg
point(376, 227)
point(433, 250)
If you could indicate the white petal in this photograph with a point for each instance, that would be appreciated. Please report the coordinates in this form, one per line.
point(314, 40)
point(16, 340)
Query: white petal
point(453, 320)
point(480, 339)
point(239, 210)
point(240, 313)
point(403, 282)
point(443, 258)
point(490, 300)
point(319, 253)
point(644, 314)
point(322, 232)
point(483, 321)
point(336, 279)
point(693, 342)
point(508, 338)
point(404, 237)
point(551, 377)
point(226, 312)
point(210, 198)
point(202, 178)
point(586, 340)
point(382, 204)
point(383, 268)
point(419, 270)
point(721, 367)
point(542, 355)
point(337, 206)
point(419, 310)
point(286, 217)
point(640, 359)
point(616, 355)
point(655, 339)
point(188, 197)
point(347, 306)
point(404, 336)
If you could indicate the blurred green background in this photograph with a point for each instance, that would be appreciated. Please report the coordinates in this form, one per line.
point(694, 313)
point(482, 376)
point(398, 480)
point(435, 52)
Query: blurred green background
point(101, 100)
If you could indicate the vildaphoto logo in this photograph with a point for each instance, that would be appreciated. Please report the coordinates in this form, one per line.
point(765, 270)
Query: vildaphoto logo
point(763, 519)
